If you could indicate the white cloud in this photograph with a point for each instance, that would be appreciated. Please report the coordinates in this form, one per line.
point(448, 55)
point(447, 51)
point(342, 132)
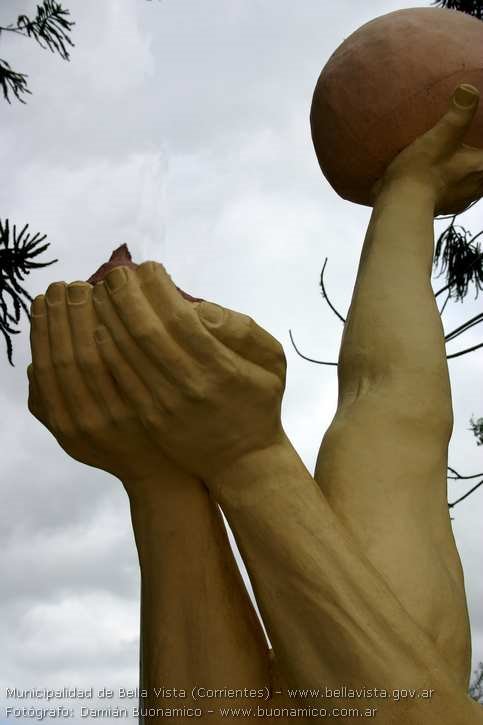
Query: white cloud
point(182, 129)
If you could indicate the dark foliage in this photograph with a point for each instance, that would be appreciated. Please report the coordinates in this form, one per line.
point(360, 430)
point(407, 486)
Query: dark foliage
point(477, 428)
point(16, 263)
point(476, 687)
point(50, 29)
point(471, 7)
point(462, 261)
point(10, 80)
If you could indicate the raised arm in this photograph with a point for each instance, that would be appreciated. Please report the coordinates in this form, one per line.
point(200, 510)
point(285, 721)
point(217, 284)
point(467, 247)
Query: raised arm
point(331, 616)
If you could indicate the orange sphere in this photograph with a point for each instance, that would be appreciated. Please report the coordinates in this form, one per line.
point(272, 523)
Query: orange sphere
point(385, 85)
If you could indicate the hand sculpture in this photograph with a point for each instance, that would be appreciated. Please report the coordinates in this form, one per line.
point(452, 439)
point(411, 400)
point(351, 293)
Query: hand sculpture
point(203, 402)
point(74, 395)
point(356, 573)
point(439, 160)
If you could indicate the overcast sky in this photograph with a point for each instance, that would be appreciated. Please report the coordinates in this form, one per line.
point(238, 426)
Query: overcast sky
point(182, 128)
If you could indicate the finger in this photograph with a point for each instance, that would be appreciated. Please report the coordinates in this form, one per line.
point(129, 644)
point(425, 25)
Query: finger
point(244, 336)
point(454, 125)
point(77, 396)
point(174, 339)
point(150, 373)
point(33, 397)
point(83, 321)
point(49, 394)
point(239, 332)
point(127, 380)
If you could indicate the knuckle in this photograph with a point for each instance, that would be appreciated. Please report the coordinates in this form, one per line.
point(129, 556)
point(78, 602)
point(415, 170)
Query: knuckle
point(87, 426)
point(178, 318)
point(146, 270)
point(33, 407)
point(63, 431)
point(195, 391)
point(43, 371)
point(88, 363)
point(150, 418)
point(226, 370)
point(279, 353)
point(38, 305)
point(145, 332)
point(62, 361)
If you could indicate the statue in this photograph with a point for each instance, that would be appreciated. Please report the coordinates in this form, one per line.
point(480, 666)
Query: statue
point(355, 571)
point(385, 85)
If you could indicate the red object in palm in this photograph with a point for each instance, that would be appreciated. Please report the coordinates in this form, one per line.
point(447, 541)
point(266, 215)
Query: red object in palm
point(121, 257)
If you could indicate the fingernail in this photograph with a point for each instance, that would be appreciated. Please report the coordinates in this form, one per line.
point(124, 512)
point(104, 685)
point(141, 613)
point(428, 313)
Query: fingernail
point(149, 267)
point(77, 293)
point(211, 312)
point(55, 293)
point(466, 96)
point(116, 278)
point(100, 334)
point(38, 306)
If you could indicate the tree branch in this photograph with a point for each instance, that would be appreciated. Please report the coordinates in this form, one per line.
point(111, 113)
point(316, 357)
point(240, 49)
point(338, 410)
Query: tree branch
point(319, 362)
point(464, 352)
point(325, 295)
point(10, 80)
point(468, 493)
point(49, 27)
point(448, 297)
point(16, 263)
point(458, 476)
point(465, 326)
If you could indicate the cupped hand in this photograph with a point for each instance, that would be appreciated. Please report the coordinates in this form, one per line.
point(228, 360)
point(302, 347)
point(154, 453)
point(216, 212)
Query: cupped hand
point(440, 161)
point(73, 393)
point(206, 382)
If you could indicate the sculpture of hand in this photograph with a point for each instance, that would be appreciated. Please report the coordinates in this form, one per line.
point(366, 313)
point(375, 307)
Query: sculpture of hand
point(439, 160)
point(73, 394)
point(174, 519)
point(205, 403)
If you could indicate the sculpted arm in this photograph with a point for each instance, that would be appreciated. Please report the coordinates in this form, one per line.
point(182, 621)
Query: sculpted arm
point(190, 581)
point(330, 615)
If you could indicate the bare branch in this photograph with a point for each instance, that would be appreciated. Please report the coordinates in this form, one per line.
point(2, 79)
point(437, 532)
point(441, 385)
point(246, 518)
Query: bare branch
point(458, 476)
point(324, 293)
point(464, 352)
point(319, 362)
point(468, 493)
point(445, 303)
point(465, 326)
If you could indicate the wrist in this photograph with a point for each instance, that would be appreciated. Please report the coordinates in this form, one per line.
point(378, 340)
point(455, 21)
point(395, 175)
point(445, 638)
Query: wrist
point(171, 519)
point(148, 485)
point(255, 476)
point(418, 189)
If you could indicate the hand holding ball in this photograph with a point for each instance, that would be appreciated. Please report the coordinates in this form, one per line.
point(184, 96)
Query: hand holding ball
point(386, 85)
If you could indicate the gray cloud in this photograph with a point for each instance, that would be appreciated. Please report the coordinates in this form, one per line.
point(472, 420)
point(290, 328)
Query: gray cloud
point(182, 129)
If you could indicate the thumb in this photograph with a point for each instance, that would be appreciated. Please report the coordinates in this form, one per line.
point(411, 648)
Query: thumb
point(454, 125)
point(211, 314)
point(243, 335)
point(466, 97)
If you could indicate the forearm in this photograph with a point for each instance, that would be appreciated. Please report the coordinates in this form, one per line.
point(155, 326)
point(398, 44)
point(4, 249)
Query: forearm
point(393, 330)
point(199, 627)
point(330, 615)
